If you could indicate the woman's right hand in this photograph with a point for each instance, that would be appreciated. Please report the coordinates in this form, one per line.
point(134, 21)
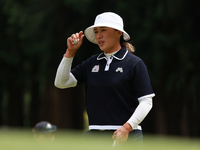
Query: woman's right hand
point(73, 44)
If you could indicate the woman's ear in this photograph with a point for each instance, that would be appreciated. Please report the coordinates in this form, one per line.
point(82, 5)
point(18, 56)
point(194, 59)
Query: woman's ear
point(120, 33)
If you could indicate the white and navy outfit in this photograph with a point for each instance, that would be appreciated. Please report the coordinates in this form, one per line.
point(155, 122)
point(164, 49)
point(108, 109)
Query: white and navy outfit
point(113, 85)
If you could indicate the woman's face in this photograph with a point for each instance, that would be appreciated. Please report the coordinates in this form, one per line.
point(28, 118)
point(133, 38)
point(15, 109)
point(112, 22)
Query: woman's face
point(108, 39)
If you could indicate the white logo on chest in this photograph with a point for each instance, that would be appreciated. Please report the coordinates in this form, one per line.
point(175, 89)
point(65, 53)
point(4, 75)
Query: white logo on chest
point(119, 69)
point(95, 68)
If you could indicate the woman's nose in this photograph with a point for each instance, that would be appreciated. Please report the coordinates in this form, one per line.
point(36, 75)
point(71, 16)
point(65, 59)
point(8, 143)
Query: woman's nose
point(99, 35)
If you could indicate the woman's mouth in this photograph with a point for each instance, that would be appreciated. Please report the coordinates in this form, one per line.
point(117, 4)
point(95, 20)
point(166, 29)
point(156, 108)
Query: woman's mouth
point(100, 43)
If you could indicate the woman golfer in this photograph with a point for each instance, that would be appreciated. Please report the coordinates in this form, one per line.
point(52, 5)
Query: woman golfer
point(117, 86)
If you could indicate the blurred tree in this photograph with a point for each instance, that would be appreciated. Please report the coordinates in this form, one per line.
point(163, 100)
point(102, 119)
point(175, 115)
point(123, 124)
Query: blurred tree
point(37, 31)
point(10, 59)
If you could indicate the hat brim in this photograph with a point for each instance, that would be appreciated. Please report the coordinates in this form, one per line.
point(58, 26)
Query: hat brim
point(89, 32)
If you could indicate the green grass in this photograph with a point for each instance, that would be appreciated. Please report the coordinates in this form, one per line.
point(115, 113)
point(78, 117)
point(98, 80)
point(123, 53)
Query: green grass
point(16, 139)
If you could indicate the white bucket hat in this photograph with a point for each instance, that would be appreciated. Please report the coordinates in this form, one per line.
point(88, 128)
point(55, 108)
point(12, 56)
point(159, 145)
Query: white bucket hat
point(107, 19)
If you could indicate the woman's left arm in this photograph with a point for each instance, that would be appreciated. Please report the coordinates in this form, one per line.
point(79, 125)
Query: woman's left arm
point(145, 105)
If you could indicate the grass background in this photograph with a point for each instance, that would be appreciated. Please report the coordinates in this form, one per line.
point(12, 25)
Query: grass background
point(22, 139)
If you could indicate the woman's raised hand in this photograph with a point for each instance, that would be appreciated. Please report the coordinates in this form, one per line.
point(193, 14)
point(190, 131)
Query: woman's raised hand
point(73, 44)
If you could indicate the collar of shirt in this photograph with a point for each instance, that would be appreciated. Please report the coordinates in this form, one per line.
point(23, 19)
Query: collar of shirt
point(119, 55)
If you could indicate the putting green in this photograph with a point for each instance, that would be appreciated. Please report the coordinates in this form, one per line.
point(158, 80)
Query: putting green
point(18, 139)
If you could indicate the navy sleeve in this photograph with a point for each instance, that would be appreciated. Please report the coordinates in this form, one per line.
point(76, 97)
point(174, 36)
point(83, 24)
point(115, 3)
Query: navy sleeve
point(142, 85)
point(79, 72)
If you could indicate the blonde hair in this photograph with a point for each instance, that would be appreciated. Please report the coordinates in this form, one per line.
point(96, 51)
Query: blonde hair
point(128, 45)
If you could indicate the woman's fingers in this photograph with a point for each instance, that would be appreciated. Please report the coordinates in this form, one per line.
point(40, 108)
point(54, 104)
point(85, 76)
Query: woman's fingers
point(120, 136)
point(76, 37)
